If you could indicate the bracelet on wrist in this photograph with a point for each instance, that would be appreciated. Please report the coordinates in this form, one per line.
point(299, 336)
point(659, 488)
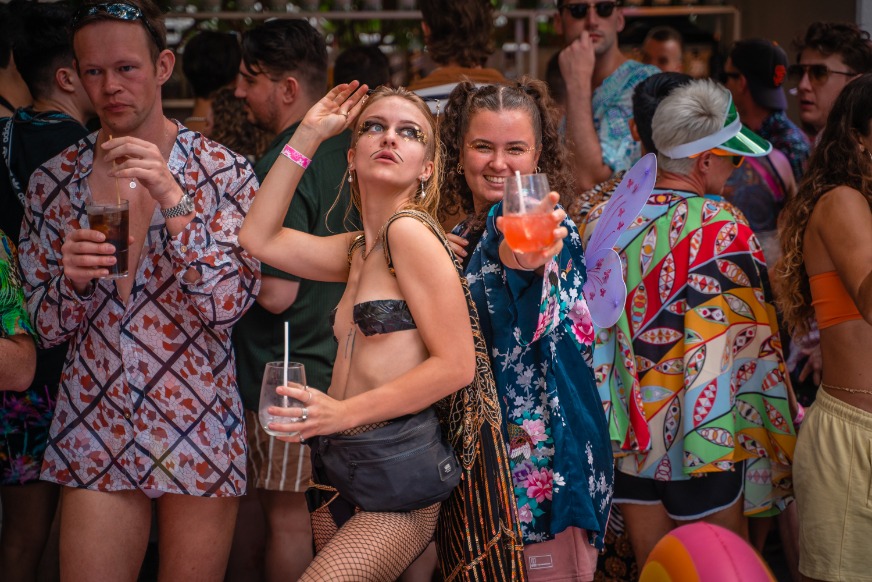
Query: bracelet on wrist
point(520, 266)
point(295, 156)
point(87, 292)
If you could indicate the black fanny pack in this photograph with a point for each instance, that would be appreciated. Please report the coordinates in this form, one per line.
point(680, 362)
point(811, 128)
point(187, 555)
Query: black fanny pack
point(405, 465)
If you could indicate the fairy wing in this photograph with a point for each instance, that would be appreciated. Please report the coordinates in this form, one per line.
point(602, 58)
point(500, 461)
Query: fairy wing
point(605, 290)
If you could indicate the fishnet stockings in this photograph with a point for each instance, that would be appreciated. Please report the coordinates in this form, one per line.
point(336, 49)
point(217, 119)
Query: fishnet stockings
point(364, 428)
point(370, 547)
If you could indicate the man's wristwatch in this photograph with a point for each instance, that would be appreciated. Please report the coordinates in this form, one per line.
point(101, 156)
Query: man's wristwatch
point(183, 208)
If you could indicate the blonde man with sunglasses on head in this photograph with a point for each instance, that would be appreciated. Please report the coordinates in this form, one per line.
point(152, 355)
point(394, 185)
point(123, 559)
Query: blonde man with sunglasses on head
point(148, 409)
point(599, 90)
point(829, 56)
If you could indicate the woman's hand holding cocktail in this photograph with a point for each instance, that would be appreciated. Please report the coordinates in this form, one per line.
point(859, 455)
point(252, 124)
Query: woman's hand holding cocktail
point(319, 414)
point(550, 220)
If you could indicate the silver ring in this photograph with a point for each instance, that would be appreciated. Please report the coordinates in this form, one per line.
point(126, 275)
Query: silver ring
point(305, 414)
point(310, 396)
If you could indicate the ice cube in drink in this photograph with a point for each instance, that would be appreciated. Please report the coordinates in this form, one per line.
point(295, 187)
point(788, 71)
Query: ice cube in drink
point(528, 233)
point(113, 220)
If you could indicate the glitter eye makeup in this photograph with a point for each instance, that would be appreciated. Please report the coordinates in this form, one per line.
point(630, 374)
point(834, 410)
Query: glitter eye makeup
point(486, 149)
point(373, 128)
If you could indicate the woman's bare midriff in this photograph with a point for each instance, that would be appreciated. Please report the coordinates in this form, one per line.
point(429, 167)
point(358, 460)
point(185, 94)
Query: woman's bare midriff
point(847, 362)
point(375, 359)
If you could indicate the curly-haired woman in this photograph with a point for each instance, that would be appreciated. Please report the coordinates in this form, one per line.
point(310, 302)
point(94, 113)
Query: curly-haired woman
point(536, 324)
point(826, 273)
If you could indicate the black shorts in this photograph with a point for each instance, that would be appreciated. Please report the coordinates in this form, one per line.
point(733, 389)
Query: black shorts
point(694, 498)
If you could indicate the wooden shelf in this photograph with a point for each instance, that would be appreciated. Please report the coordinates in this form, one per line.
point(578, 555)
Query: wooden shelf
point(530, 17)
point(633, 11)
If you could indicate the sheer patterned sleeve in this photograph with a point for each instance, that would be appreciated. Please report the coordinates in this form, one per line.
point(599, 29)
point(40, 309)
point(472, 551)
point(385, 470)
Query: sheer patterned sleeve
point(56, 309)
point(229, 277)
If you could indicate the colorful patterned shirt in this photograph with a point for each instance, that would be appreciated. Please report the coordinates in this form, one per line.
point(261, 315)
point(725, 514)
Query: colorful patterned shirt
point(612, 108)
point(539, 334)
point(692, 376)
point(787, 137)
point(148, 398)
point(13, 310)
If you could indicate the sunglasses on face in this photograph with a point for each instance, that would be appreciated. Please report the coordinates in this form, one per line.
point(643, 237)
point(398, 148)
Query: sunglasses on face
point(118, 11)
point(726, 75)
point(817, 74)
point(579, 11)
point(736, 160)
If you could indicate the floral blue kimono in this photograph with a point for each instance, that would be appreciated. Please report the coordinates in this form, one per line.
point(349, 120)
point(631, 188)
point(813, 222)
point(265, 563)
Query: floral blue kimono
point(539, 335)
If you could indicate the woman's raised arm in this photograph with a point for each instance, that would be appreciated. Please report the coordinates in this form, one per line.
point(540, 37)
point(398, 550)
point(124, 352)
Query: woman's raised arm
point(262, 233)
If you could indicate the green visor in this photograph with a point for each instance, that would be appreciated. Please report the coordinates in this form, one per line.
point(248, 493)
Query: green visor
point(733, 137)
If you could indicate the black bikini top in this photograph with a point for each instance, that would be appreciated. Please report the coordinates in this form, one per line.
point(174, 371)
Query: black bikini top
point(383, 316)
point(379, 316)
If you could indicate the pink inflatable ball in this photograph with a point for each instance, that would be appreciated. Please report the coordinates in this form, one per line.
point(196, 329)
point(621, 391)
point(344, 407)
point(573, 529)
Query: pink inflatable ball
point(701, 552)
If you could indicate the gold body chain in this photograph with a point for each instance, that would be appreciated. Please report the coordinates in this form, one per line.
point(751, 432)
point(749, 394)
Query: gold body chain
point(843, 389)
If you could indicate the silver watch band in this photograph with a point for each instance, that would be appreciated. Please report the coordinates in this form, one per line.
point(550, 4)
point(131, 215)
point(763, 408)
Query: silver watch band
point(183, 208)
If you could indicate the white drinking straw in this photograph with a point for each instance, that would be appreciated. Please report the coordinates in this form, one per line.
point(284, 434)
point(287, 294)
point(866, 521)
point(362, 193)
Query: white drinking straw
point(522, 209)
point(286, 355)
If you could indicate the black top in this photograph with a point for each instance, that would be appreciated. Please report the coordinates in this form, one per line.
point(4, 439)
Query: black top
point(27, 140)
point(383, 316)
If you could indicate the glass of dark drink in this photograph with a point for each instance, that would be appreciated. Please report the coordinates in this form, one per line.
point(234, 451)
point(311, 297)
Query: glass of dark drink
point(113, 220)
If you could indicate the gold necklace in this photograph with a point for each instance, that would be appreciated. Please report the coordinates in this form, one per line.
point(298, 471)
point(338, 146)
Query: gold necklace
point(364, 253)
point(380, 238)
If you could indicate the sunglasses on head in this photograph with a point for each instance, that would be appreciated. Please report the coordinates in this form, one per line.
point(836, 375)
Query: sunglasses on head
point(579, 11)
point(817, 74)
point(735, 159)
point(118, 11)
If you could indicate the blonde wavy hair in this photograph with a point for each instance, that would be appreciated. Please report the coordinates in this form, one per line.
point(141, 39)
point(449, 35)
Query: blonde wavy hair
point(428, 199)
point(836, 161)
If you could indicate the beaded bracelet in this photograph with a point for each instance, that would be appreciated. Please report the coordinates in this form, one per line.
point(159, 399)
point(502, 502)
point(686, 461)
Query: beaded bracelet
point(296, 156)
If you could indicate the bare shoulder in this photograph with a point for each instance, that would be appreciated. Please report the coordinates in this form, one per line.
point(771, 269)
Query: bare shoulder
point(841, 205)
point(409, 232)
point(412, 242)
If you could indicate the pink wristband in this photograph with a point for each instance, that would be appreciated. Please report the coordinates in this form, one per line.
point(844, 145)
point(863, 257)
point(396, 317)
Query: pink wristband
point(800, 415)
point(296, 156)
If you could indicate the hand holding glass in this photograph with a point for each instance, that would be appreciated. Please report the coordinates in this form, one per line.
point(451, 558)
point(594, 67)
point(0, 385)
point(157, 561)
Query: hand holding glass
point(113, 221)
point(527, 222)
point(273, 377)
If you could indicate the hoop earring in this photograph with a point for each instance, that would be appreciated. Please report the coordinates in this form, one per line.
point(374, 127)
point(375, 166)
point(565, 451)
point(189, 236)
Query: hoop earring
point(538, 170)
point(459, 168)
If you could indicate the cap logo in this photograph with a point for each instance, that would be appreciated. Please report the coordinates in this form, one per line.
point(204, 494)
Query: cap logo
point(778, 75)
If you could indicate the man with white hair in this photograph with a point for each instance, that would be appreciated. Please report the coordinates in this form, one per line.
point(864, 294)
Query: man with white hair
point(692, 375)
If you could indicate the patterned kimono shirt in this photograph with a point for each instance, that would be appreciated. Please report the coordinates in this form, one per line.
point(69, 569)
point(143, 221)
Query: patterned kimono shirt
point(539, 334)
point(148, 397)
point(692, 375)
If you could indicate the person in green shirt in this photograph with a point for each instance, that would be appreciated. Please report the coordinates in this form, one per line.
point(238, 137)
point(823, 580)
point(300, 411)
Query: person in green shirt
point(17, 350)
point(282, 74)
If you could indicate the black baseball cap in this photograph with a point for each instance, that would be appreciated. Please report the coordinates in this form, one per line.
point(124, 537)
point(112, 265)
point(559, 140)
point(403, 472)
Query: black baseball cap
point(764, 64)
